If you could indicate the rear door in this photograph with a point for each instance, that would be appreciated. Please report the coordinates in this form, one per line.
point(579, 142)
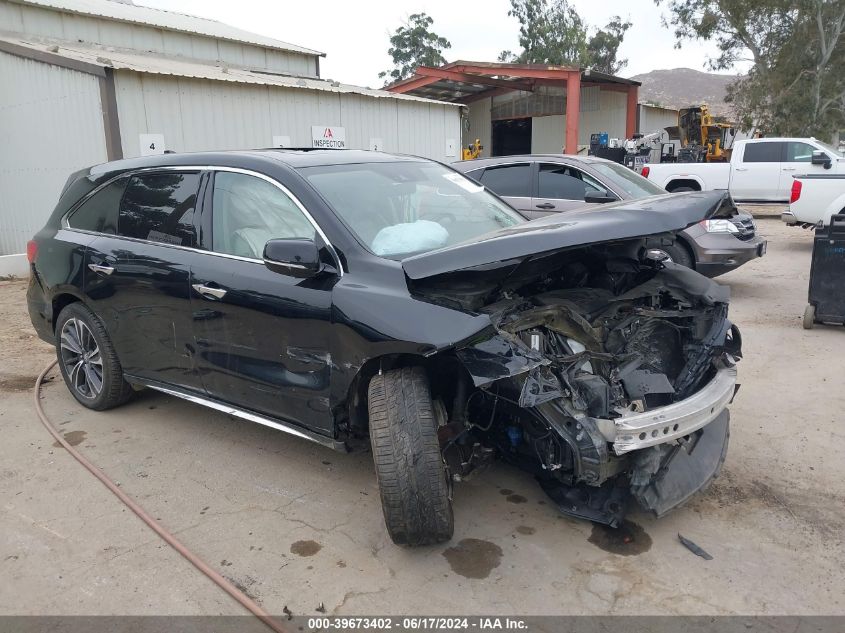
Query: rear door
point(263, 338)
point(136, 273)
point(561, 188)
point(757, 175)
point(514, 182)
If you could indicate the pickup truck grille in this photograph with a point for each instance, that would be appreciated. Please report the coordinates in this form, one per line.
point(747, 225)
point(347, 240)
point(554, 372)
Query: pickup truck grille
point(746, 227)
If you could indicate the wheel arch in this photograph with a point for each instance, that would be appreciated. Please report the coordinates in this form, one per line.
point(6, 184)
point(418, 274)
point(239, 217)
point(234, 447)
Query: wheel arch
point(437, 367)
point(59, 302)
point(688, 181)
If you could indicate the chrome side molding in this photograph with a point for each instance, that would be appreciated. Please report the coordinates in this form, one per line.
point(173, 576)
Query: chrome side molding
point(243, 414)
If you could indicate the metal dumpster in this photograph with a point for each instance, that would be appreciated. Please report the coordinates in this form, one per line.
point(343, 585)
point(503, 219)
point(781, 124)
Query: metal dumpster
point(826, 295)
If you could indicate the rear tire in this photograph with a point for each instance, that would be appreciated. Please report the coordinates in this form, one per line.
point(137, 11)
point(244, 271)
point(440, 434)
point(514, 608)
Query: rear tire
point(809, 317)
point(409, 467)
point(88, 361)
point(682, 189)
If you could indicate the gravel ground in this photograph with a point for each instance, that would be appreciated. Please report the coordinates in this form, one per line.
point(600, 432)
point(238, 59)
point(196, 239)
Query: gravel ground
point(296, 525)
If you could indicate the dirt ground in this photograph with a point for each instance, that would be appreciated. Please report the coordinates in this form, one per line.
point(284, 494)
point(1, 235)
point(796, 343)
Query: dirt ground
point(296, 525)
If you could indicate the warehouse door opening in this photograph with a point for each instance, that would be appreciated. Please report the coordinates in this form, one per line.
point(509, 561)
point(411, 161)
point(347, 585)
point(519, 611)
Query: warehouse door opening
point(511, 136)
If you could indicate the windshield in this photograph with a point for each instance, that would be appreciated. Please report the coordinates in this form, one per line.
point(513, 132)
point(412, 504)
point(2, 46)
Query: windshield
point(628, 181)
point(836, 150)
point(395, 209)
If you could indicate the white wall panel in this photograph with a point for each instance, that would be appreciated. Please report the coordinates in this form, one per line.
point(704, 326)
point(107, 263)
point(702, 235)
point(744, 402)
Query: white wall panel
point(653, 119)
point(548, 134)
point(51, 124)
point(197, 115)
point(479, 125)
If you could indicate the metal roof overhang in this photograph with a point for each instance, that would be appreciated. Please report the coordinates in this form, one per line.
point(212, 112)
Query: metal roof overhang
point(467, 81)
point(98, 61)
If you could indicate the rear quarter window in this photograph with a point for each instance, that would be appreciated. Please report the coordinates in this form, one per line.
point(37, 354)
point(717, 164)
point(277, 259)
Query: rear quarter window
point(99, 212)
point(160, 208)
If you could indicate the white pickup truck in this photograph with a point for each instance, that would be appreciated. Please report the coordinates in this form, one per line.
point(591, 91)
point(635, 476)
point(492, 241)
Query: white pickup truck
point(814, 198)
point(760, 170)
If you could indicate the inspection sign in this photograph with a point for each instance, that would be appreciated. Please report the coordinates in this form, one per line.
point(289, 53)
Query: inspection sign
point(328, 137)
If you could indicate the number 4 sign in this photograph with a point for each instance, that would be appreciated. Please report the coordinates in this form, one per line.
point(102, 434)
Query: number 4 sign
point(151, 144)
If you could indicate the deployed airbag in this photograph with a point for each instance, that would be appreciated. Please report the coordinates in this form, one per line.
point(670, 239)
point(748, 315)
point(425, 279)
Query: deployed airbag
point(409, 237)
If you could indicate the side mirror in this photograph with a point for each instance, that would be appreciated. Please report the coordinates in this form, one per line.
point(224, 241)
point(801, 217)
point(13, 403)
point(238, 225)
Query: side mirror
point(821, 158)
point(599, 197)
point(294, 257)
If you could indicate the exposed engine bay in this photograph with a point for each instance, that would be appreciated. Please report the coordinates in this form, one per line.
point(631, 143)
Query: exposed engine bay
point(605, 374)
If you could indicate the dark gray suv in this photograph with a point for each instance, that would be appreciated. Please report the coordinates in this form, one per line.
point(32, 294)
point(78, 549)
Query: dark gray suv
point(541, 184)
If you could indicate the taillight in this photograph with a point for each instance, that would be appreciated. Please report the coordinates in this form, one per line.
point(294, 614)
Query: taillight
point(646, 171)
point(31, 250)
point(796, 191)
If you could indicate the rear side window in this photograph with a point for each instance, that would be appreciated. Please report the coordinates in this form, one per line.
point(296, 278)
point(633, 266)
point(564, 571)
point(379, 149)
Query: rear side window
point(511, 180)
point(160, 208)
point(99, 212)
point(763, 152)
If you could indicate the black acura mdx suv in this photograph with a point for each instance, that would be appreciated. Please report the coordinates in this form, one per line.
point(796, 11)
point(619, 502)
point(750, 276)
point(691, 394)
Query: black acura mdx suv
point(337, 295)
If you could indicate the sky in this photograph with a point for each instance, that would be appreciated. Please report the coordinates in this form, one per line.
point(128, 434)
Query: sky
point(354, 35)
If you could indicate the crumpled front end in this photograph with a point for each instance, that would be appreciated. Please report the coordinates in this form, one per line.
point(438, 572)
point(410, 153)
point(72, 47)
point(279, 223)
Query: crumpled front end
point(608, 378)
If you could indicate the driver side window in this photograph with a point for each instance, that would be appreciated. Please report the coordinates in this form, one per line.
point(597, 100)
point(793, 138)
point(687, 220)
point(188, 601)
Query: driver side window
point(248, 211)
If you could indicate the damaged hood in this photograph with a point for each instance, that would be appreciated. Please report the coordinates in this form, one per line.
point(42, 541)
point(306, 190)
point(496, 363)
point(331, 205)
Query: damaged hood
point(600, 223)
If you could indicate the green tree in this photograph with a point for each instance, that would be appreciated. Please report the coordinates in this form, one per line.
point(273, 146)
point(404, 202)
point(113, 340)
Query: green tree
point(796, 49)
point(552, 32)
point(603, 47)
point(414, 44)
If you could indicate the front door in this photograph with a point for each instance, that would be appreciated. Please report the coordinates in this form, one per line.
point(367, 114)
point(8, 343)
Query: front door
point(797, 161)
point(262, 337)
point(136, 273)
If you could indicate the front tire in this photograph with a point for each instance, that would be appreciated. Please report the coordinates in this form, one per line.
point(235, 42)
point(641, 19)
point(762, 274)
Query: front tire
point(409, 467)
point(678, 254)
point(88, 361)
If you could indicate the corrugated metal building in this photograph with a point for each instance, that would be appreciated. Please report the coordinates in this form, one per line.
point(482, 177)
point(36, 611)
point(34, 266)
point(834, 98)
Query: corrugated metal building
point(85, 81)
point(652, 118)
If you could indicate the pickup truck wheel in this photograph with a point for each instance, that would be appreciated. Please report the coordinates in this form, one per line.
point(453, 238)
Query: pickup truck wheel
point(682, 189)
point(809, 317)
point(409, 467)
point(88, 361)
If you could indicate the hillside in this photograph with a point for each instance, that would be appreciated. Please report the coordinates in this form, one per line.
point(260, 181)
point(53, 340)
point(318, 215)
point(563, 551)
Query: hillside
point(681, 87)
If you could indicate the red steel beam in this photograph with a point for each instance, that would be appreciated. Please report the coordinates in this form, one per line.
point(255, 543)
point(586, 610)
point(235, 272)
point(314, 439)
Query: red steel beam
point(412, 84)
point(462, 77)
point(573, 111)
point(528, 73)
point(631, 112)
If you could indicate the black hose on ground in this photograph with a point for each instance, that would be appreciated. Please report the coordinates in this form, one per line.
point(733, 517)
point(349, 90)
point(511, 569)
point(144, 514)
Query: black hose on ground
point(171, 540)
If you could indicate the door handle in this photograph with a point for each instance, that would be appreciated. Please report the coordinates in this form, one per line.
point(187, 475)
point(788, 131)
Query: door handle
point(789, 168)
point(546, 205)
point(208, 292)
point(98, 268)
point(742, 168)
